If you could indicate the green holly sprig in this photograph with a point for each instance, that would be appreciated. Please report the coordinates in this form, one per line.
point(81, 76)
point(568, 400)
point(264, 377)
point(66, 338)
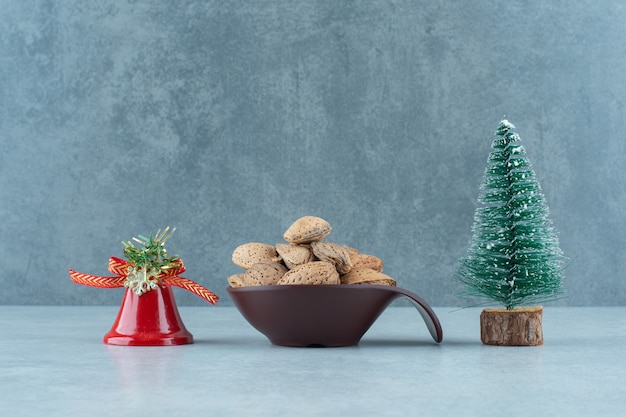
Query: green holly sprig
point(147, 262)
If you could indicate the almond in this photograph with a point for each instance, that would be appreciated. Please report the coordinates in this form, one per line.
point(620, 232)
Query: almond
point(333, 253)
point(267, 273)
point(294, 255)
point(252, 253)
point(307, 229)
point(388, 281)
point(312, 273)
point(362, 260)
point(367, 276)
point(352, 251)
point(239, 280)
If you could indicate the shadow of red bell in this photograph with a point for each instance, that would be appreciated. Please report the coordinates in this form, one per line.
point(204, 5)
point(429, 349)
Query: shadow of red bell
point(151, 319)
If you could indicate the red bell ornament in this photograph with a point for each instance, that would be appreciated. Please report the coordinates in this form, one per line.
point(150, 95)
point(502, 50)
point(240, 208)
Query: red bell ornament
point(148, 315)
point(150, 319)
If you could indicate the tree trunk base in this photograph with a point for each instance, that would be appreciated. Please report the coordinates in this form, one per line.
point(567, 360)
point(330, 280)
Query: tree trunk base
point(517, 327)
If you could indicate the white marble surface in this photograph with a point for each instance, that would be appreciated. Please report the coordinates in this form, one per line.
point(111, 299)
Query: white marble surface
point(53, 363)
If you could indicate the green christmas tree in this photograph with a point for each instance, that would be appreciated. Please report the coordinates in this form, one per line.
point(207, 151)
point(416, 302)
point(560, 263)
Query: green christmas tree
point(514, 256)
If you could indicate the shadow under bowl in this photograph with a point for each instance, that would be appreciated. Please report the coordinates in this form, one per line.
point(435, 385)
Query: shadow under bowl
point(322, 315)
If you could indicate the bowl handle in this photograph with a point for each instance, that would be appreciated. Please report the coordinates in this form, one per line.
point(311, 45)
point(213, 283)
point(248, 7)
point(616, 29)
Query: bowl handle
point(427, 313)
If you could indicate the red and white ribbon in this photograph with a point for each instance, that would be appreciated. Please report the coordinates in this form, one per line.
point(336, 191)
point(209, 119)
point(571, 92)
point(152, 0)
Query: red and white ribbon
point(170, 277)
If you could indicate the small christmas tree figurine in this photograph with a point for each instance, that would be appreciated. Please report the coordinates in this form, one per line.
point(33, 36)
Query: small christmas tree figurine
point(514, 256)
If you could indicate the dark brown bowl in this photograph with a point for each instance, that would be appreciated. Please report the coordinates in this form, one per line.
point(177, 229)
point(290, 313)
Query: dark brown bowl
point(322, 315)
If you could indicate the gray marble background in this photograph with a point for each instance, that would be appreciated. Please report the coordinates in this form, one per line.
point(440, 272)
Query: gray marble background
point(230, 119)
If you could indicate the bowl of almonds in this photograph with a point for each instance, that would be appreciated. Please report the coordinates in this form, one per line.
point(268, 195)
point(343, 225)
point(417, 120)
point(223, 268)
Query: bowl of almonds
point(311, 292)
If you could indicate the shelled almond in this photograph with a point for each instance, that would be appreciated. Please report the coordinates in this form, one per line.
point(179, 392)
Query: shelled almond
point(307, 229)
point(366, 275)
point(361, 260)
point(312, 273)
point(294, 255)
point(306, 259)
point(252, 253)
point(333, 253)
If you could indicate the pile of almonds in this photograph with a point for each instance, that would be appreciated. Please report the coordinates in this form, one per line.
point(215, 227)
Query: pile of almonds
point(306, 260)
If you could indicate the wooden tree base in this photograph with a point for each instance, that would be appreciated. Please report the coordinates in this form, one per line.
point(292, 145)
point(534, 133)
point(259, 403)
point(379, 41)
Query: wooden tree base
point(518, 327)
